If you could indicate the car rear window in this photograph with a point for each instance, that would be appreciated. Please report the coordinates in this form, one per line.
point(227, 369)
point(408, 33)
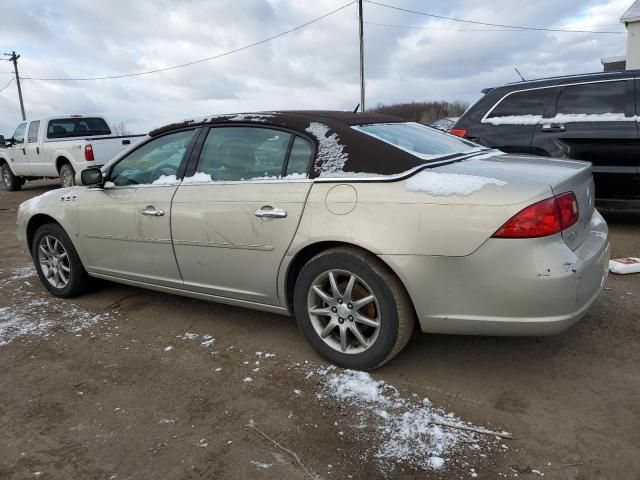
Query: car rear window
point(423, 142)
point(531, 102)
point(77, 127)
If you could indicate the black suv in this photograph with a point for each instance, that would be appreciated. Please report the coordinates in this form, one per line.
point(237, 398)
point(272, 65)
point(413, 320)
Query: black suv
point(588, 117)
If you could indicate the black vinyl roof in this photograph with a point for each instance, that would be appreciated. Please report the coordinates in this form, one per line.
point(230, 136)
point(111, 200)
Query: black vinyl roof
point(355, 151)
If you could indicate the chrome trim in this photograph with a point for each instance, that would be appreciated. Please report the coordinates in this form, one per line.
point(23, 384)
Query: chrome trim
point(270, 212)
point(242, 246)
point(127, 239)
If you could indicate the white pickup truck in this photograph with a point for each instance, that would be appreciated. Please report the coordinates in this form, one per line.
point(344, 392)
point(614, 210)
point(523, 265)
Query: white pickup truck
point(60, 146)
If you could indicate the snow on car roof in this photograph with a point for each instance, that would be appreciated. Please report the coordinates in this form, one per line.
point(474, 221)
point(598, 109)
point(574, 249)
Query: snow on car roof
point(341, 150)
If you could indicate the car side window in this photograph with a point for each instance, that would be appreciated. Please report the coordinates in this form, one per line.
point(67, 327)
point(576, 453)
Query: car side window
point(244, 153)
point(531, 102)
point(157, 160)
point(34, 127)
point(593, 98)
point(18, 135)
point(299, 158)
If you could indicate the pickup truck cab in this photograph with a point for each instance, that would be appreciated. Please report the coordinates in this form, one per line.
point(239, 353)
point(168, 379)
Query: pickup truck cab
point(60, 146)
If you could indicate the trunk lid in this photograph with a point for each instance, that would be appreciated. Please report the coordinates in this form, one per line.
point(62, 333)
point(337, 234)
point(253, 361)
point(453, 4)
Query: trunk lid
point(527, 174)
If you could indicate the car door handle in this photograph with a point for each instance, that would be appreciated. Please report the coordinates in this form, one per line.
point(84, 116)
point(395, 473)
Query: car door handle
point(553, 127)
point(270, 212)
point(151, 211)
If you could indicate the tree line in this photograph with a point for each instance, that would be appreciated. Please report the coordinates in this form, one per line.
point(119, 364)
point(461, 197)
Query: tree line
point(423, 112)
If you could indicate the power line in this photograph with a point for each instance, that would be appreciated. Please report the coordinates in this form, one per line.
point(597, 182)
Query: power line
point(448, 29)
point(230, 52)
point(487, 24)
point(7, 85)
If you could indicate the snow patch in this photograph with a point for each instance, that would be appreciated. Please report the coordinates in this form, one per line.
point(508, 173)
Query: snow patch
point(251, 117)
point(331, 153)
point(449, 184)
point(559, 118)
point(262, 465)
point(198, 177)
point(407, 430)
point(166, 180)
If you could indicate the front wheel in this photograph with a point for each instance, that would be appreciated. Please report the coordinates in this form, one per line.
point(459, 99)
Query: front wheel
point(57, 262)
point(67, 176)
point(352, 309)
point(11, 182)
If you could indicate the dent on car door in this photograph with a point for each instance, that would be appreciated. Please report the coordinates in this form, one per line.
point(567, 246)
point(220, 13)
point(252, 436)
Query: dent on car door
point(510, 124)
point(125, 227)
point(234, 220)
point(595, 122)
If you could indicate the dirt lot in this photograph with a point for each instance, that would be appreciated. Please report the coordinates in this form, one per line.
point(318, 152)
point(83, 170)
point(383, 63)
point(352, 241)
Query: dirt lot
point(124, 383)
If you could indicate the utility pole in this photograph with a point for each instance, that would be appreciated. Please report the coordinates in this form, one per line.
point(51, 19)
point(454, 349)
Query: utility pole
point(14, 58)
point(361, 55)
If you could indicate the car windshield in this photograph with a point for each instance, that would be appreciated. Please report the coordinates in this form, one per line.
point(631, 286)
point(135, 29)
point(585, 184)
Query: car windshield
point(77, 127)
point(423, 142)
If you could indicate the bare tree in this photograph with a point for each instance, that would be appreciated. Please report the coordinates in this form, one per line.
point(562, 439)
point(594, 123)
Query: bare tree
point(120, 129)
point(423, 112)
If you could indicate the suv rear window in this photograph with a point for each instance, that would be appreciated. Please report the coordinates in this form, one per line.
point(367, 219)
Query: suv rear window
point(77, 127)
point(531, 102)
point(593, 98)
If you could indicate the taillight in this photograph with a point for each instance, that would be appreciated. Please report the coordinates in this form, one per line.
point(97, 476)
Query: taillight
point(542, 219)
point(88, 153)
point(459, 132)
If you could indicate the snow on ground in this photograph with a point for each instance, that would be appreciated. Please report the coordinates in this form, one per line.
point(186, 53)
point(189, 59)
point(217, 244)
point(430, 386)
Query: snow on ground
point(407, 430)
point(24, 312)
point(449, 184)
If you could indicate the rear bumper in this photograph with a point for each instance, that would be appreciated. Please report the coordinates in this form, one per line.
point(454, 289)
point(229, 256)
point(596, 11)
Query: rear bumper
point(508, 286)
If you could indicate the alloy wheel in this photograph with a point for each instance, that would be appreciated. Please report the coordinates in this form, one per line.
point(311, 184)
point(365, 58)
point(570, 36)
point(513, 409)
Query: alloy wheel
point(54, 261)
point(6, 176)
point(344, 311)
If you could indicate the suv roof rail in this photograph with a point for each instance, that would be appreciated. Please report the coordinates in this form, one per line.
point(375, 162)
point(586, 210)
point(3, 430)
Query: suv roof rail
point(576, 75)
point(487, 90)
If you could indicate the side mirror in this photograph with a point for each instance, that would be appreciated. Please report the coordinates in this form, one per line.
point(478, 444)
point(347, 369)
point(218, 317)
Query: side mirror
point(91, 176)
point(2, 141)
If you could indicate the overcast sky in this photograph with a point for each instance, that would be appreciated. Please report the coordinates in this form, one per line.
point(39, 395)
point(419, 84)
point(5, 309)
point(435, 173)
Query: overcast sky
point(315, 67)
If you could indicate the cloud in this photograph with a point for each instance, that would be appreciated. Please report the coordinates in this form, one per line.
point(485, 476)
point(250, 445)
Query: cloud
point(316, 67)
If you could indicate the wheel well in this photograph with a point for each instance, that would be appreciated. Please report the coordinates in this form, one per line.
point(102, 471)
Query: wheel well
point(310, 251)
point(60, 161)
point(34, 224)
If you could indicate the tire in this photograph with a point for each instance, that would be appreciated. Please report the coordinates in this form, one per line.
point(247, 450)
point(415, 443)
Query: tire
point(67, 175)
point(49, 245)
point(11, 182)
point(390, 317)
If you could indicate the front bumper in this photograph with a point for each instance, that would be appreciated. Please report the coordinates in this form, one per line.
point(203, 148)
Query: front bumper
point(508, 286)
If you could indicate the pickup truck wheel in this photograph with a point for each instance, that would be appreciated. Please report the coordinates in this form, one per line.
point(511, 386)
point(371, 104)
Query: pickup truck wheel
point(11, 182)
point(57, 262)
point(67, 176)
point(352, 309)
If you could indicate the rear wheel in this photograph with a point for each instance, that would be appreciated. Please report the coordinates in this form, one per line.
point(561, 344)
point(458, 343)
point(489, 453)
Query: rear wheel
point(11, 182)
point(67, 175)
point(57, 262)
point(352, 309)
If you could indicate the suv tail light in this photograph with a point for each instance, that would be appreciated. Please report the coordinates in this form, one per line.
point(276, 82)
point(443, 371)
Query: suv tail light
point(458, 132)
point(542, 218)
point(88, 153)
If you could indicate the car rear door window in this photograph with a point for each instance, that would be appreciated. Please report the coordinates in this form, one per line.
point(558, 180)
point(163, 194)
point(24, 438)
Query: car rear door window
point(531, 102)
point(299, 158)
point(244, 153)
point(593, 98)
point(32, 136)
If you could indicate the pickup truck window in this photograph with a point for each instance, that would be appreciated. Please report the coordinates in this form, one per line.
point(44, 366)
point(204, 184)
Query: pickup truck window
point(32, 136)
point(77, 127)
point(18, 135)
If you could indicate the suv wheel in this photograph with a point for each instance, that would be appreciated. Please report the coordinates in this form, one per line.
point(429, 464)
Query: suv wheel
point(11, 182)
point(67, 176)
point(352, 309)
point(57, 262)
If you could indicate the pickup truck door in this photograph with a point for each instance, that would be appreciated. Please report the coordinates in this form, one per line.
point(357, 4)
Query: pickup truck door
point(124, 228)
point(18, 153)
point(35, 158)
point(230, 235)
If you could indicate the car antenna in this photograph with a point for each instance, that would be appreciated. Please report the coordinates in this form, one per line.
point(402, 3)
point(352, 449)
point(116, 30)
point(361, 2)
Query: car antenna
point(355, 110)
point(518, 72)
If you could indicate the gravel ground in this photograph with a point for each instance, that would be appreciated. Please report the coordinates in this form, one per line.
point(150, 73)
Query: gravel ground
point(124, 383)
